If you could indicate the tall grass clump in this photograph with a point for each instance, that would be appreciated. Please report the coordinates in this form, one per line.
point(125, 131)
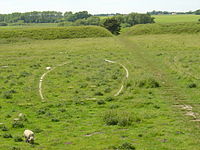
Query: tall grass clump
point(115, 117)
point(148, 83)
point(51, 33)
point(170, 28)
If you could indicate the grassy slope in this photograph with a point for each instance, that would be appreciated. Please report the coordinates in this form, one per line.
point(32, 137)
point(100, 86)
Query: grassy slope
point(68, 89)
point(176, 18)
point(175, 28)
point(55, 32)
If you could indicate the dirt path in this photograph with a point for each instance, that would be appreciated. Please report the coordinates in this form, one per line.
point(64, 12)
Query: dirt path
point(169, 88)
point(127, 75)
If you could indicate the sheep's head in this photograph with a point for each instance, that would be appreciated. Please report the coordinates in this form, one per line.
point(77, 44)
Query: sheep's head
point(31, 140)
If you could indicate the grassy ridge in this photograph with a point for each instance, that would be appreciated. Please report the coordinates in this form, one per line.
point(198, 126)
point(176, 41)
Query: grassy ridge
point(175, 18)
point(51, 33)
point(175, 28)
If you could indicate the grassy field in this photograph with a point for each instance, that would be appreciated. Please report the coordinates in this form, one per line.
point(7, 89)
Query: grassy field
point(176, 18)
point(80, 111)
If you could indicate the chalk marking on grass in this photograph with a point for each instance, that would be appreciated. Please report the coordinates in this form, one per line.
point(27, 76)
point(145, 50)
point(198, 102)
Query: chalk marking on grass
point(4, 67)
point(120, 90)
point(127, 74)
point(42, 79)
point(188, 108)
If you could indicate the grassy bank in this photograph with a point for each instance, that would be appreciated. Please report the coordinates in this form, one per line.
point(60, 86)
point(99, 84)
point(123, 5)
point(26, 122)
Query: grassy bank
point(172, 28)
point(50, 33)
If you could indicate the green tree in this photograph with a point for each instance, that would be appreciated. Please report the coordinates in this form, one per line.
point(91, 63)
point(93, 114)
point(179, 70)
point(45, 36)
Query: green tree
point(3, 24)
point(93, 20)
point(113, 25)
point(197, 12)
point(78, 15)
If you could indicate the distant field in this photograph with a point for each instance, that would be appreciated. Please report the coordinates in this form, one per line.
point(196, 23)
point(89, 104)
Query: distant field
point(176, 18)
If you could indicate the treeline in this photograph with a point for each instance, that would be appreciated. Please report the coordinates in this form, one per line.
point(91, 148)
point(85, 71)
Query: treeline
point(154, 12)
point(133, 19)
point(43, 17)
point(32, 17)
point(73, 19)
point(107, 15)
point(124, 20)
point(114, 24)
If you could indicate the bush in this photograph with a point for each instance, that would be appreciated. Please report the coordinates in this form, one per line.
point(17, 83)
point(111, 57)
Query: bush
point(101, 102)
point(41, 111)
point(4, 128)
point(7, 95)
point(83, 85)
point(7, 135)
point(98, 94)
point(126, 146)
point(17, 124)
point(111, 118)
point(113, 25)
point(16, 148)
point(3, 24)
point(24, 74)
point(18, 139)
point(109, 99)
point(55, 120)
point(62, 110)
point(125, 119)
point(148, 83)
point(192, 85)
point(121, 118)
point(107, 90)
point(114, 106)
point(8, 116)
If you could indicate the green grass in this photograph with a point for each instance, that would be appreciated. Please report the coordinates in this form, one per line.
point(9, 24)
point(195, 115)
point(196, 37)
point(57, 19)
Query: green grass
point(176, 18)
point(49, 33)
point(79, 103)
point(172, 28)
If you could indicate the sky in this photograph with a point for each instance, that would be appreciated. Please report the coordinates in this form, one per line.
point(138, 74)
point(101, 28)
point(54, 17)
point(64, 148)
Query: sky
point(98, 6)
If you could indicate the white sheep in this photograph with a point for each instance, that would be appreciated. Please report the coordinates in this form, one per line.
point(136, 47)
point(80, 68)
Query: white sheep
point(29, 136)
point(48, 68)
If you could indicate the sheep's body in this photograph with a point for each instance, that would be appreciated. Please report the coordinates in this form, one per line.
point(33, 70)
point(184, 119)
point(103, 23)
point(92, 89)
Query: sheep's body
point(21, 115)
point(48, 68)
point(29, 136)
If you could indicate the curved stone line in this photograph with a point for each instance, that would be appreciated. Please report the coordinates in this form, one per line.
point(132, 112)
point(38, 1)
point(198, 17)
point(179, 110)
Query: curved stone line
point(42, 78)
point(127, 74)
